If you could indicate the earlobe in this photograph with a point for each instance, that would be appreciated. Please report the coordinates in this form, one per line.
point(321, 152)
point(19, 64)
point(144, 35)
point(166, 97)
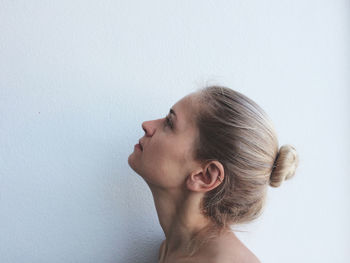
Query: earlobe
point(192, 180)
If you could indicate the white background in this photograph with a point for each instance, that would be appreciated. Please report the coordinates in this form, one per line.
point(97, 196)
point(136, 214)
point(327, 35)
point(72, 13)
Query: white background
point(77, 79)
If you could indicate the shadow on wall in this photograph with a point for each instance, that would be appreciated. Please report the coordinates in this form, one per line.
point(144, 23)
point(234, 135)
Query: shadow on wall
point(142, 251)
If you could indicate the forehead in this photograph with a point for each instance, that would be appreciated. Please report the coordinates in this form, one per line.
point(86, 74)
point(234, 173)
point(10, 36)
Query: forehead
point(185, 110)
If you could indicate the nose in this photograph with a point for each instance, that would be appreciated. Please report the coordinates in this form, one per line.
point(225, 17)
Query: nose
point(144, 126)
point(148, 127)
point(151, 126)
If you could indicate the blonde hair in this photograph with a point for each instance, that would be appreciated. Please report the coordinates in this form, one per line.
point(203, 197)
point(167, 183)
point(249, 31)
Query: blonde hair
point(236, 131)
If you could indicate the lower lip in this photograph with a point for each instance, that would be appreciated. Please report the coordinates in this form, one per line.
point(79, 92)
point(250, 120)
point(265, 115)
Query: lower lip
point(138, 146)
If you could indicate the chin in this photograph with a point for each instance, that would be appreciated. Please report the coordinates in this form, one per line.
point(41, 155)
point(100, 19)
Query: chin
point(133, 165)
point(131, 162)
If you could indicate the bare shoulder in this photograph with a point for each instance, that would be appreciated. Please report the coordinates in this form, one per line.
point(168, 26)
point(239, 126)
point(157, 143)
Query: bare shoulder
point(226, 249)
point(232, 250)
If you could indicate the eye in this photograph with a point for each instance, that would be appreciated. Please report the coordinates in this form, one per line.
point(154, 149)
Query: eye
point(168, 122)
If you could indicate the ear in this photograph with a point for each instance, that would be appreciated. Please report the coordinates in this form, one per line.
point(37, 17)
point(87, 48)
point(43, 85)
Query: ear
point(206, 178)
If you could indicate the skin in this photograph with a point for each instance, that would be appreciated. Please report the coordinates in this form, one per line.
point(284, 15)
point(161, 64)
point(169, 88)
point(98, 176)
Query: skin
point(178, 183)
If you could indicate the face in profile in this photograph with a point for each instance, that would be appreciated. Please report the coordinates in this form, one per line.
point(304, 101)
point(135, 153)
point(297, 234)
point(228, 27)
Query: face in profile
point(167, 155)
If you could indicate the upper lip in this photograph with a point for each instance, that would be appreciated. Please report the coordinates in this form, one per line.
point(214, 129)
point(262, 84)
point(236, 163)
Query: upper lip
point(141, 144)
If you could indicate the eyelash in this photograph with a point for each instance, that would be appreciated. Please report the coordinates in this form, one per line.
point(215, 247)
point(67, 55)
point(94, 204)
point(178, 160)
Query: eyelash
point(168, 122)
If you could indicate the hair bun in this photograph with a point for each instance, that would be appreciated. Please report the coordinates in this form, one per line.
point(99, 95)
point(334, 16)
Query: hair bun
point(285, 165)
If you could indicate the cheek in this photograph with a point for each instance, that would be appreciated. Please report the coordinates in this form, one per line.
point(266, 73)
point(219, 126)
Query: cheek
point(164, 166)
point(163, 169)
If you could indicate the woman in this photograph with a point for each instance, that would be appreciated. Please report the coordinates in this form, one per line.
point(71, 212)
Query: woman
point(208, 164)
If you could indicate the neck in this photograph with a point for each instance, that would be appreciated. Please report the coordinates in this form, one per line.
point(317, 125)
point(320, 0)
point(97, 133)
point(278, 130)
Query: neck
point(180, 218)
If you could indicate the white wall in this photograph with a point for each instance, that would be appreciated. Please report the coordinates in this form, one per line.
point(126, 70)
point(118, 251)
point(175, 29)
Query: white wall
point(77, 79)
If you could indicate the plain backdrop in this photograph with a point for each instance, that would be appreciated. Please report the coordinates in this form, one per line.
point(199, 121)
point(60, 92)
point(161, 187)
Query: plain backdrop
point(78, 78)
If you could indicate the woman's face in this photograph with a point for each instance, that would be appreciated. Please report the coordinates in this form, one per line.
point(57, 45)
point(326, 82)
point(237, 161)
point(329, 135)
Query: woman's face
point(167, 155)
